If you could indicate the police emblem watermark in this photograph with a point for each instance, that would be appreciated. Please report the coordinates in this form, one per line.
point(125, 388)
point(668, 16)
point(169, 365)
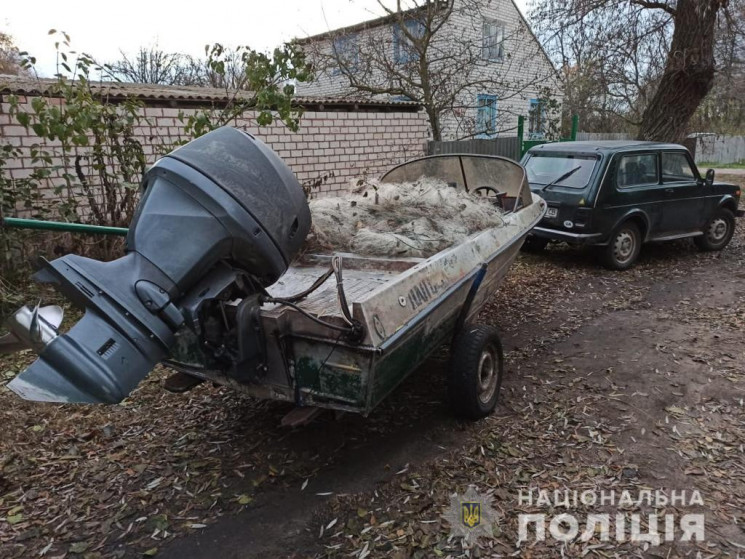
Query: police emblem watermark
point(628, 524)
point(471, 515)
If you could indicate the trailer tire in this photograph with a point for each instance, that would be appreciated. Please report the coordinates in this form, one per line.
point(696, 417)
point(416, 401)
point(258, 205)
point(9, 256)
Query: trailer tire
point(534, 244)
point(476, 369)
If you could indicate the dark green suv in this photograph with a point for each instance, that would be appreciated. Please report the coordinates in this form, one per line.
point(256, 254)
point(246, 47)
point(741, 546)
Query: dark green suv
point(620, 194)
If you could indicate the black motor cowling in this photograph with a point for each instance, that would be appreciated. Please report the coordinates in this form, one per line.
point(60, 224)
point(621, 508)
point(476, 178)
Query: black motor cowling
point(224, 199)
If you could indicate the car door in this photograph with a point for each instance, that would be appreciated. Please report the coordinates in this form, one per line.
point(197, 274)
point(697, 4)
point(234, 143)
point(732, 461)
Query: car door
point(636, 188)
point(684, 207)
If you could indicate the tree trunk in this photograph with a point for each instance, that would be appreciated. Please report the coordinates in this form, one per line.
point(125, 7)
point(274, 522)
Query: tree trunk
point(434, 123)
point(688, 75)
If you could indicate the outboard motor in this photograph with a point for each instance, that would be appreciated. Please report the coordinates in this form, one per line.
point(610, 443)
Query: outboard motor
point(220, 219)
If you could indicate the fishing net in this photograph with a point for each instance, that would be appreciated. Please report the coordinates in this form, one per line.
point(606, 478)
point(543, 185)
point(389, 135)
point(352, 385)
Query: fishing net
point(413, 219)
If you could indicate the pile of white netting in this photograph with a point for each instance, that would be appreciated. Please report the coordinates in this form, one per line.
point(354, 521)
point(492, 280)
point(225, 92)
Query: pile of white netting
point(416, 219)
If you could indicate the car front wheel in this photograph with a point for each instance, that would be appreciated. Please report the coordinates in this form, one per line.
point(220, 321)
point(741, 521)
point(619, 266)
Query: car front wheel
point(718, 231)
point(624, 247)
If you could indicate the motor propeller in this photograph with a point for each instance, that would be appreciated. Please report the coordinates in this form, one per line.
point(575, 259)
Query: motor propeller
point(31, 328)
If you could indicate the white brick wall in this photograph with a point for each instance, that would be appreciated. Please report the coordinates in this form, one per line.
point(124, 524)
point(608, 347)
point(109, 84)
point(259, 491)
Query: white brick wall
point(338, 145)
point(516, 80)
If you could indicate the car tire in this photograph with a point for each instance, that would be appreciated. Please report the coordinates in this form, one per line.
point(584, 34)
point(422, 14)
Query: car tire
point(718, 231)
point(534, 244)
point(476, 370)
point(624, 247)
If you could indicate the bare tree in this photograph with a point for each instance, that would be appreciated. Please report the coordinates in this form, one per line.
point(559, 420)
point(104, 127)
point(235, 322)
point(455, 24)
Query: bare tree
point(225, 67)
point(609, 60)
point(155, 66)
point(689, 70)
point(655, 58)
point(222, 67)
point(435, 58)
point(723, 111)
point(10, 58)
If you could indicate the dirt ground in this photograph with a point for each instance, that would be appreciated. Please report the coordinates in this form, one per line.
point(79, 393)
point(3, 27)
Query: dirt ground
point(615, 381)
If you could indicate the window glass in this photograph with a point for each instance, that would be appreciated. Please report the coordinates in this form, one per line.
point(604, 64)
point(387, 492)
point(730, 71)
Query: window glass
point(493, 39)
point(536, 120)
point(675, 167)
point(403, 50)
point(545, 169)
point(346, 52)
point(486, 115)
point(634, 170)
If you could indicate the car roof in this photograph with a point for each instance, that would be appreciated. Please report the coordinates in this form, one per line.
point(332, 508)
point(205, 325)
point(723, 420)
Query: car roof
point(603, 146)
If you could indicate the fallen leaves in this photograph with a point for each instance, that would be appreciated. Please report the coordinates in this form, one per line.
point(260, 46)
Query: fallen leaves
point(562, 436)
point(94, 481)
point(91, 481)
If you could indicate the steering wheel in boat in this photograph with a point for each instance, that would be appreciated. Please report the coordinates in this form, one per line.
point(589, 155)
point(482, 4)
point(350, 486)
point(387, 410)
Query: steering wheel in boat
point(491, 193)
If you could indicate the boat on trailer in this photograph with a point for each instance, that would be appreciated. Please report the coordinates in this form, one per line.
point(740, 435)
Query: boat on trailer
point(407, 307)
point(336, 331)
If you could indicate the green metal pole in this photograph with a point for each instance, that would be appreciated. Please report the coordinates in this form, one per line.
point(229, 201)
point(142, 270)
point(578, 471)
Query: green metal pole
point(575, 126)
point(520, 131)
point(19, 223)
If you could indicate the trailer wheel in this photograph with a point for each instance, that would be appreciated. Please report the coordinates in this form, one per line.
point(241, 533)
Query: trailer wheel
point(476, 368)
point(534, 244)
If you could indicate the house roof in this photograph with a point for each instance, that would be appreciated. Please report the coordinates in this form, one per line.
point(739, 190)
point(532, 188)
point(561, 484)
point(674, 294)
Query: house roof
point(176, 96)
point(373, 23)
point(368, 24)
point(535, 38)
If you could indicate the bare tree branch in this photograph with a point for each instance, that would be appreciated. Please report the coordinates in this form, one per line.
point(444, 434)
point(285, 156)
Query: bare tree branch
point(152, 65)
point(10, 58)
point(655, 5)
point(651, 62)
point(425, 54)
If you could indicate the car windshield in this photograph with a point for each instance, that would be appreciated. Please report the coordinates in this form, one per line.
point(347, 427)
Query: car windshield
point(544, 169)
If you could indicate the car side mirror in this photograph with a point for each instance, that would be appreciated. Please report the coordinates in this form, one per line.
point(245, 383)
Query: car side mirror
point(709, 177)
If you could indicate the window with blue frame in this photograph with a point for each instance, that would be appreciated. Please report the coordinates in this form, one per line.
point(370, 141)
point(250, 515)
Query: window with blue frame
point(493, 40)
point(537, 120)
point(346, 51)
point(403, 50)
point(486, 115)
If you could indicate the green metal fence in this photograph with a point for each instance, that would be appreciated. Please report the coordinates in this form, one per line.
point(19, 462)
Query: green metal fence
point(19, 223)
point(525, 145)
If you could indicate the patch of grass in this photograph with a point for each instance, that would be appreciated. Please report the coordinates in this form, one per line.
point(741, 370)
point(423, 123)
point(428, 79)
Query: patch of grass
point(711, 165)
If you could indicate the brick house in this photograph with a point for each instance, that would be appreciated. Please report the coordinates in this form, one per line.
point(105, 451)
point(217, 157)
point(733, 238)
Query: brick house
point(509, 72)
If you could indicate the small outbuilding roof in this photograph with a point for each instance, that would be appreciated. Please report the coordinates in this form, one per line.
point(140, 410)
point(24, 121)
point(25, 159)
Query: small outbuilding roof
point(178, 96)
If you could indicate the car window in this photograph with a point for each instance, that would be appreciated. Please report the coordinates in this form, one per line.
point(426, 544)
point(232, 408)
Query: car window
point(638, 169)
point(544, 169)
point(676, 167)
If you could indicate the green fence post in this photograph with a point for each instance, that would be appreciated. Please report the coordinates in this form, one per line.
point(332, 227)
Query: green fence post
point(520, 130)
point(575, 126)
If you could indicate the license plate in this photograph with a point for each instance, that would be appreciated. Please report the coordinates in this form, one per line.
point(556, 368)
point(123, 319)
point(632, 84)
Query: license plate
point(552, 212)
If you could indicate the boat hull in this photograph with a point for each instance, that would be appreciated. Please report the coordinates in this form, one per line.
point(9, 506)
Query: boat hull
point(406, 319)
